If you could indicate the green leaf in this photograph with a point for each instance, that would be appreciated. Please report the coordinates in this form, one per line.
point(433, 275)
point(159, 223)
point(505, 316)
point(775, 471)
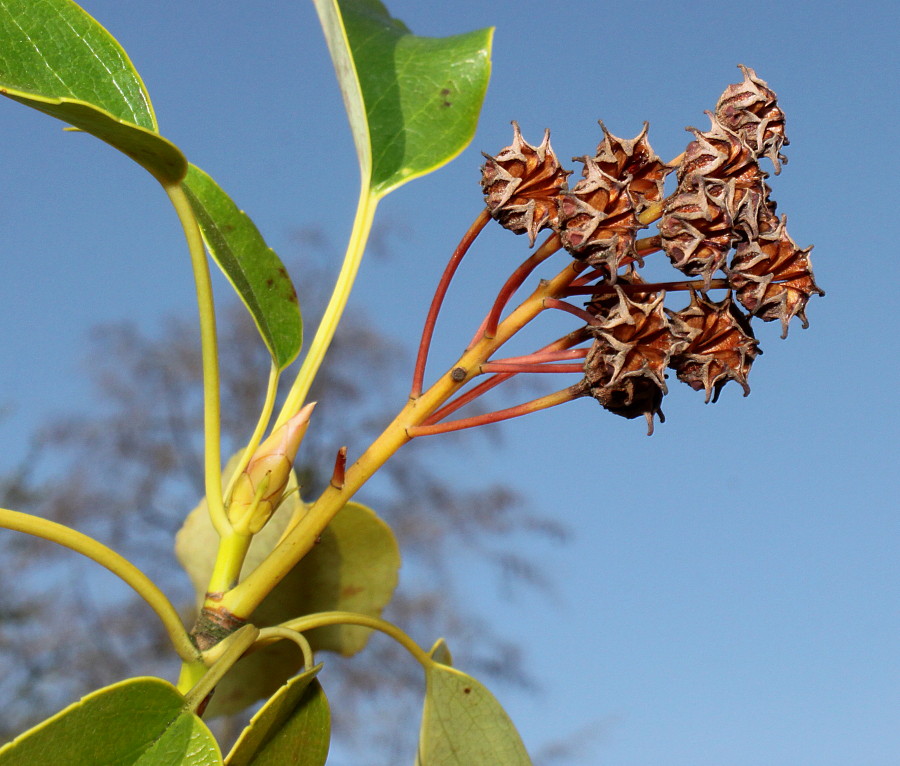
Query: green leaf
point(463, 724)
point(440, 652)
point(140, 722)
point(354, 568)
point(293, 728)
point(413, 102)
point(253, 268)
point(56, 58)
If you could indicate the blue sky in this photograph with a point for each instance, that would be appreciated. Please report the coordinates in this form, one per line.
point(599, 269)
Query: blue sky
point(729, 594)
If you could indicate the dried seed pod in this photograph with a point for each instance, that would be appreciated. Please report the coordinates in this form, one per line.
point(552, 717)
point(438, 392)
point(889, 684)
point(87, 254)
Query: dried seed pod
point(634, 342)
point(696, 230)
point(721, 348)
point(717, 153)
point(522, 185)
point(772, 277)
point(598, 218)
point(753, 209)
point(597, 221)
point(634, 162)
point(750, 109)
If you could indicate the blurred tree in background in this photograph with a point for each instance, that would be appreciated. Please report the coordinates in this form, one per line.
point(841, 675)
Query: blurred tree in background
point(128, 471)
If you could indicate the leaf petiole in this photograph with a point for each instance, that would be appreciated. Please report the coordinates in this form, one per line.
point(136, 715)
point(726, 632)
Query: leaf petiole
point(323, 619)
point(210, 358)
point(115, 563)
point(362, 225)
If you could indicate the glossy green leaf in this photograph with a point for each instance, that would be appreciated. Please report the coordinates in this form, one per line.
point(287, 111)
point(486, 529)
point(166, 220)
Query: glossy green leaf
point(138, 722)
point(463, 724)
point(56, 58)
point(293, 728)
point(413, 102)
point(253, 268)
point(353, 568)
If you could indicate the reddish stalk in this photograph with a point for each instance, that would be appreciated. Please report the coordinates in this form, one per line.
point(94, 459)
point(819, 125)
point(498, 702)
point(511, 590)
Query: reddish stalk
point(431, 320)
point(535, 405)
point(545, 356)
point(592, 275)
point(554, 303)
point(488, 328)
point(560, 345)
point(463, 399)
point(509, 367)
point(649, 287)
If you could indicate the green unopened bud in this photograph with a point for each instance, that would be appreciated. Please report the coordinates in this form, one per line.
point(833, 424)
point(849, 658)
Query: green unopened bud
point(258, 490)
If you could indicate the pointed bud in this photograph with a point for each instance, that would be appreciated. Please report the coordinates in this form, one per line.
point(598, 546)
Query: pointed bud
point(258, 490)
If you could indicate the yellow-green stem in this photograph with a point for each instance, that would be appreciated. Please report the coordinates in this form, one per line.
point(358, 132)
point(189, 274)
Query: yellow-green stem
point(362, 225)
point(247, 595)
point(210, 358)
point(233, 546)
point(230, 556)
point(323, 619)
point(225, 654)
point(115, 563)
point(270, 635)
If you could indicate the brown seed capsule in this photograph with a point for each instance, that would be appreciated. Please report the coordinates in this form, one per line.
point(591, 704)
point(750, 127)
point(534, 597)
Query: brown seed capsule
point(750, 109)
point(696, 230)
point(717, 153)
point(598, 218)
point(598, 222)
point(634, 162)
point(753, 209)
point(721, 348)
point(522, 185)
point(634, 342)
point(772, 277)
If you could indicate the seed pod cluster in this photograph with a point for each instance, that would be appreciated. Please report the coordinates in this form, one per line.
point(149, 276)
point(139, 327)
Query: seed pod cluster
point(719, 226)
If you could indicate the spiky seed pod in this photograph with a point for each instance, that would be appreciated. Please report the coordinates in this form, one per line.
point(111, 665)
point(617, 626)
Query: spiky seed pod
point(522, 185)
point(753, 209)
point(750, 109)
point(634, 342)
point(598, 218)
point(773, 278)
point(717, 153)
point(634, 162)
point(696, 230)
point(721, 348)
